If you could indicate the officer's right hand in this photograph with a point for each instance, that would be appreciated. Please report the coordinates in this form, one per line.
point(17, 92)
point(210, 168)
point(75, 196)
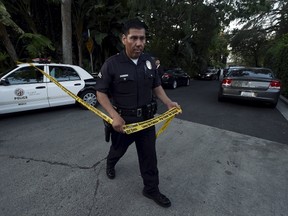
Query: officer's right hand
point(118, 124)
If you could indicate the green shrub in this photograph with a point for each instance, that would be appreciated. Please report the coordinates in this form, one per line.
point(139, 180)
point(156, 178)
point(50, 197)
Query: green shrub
point(277, 59)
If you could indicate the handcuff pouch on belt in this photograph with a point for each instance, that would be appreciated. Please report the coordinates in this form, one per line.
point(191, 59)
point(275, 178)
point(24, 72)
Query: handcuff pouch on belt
point(150, 109)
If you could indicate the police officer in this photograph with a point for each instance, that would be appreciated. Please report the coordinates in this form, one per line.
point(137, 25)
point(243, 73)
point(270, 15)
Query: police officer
point(159, 68)
point(125, 90)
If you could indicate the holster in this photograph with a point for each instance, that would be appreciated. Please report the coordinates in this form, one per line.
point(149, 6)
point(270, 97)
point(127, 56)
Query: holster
point(107, 129)
point(149, 110)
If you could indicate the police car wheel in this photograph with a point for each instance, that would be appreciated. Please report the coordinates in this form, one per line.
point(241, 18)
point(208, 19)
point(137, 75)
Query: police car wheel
point(174, 84)
point(89, 96)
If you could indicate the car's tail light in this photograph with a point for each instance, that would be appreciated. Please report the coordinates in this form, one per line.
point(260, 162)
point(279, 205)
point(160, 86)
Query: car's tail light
point(275, 84)
point(166, 75)
point(226, 82)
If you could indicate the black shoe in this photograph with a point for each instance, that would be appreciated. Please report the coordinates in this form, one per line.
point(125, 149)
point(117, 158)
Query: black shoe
point(159, 198)
point(110, 172)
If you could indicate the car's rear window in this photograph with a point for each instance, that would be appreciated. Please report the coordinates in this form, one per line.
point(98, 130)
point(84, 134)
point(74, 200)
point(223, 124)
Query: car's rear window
point(257, 73)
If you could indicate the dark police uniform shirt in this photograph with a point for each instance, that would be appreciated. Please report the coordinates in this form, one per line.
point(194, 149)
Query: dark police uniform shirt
point(129, 85)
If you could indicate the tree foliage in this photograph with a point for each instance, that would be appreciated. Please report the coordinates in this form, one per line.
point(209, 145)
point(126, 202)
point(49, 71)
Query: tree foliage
point(5, 19)
point(276, 58)
point(250, 44)
point(36, 45)
point(181, 33)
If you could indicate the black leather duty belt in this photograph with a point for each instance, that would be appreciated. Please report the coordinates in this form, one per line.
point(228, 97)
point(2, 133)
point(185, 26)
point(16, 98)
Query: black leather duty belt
point(130, 112)
point(146, 111)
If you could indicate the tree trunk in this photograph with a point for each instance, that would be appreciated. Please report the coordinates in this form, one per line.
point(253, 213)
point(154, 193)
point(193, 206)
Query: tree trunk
point(7, 42)
point(66, 31)
point(80, 58)
point(79, 29)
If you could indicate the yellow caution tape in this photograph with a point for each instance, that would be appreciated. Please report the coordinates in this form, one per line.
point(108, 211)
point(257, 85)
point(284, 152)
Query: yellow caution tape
point(168, 116)
point(129, 128)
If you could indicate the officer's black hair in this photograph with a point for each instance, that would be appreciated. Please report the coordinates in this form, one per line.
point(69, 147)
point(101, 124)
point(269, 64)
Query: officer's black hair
point(133, 23)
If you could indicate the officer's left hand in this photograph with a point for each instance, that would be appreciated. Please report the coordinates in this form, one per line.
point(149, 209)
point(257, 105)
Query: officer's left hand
point(172, 104)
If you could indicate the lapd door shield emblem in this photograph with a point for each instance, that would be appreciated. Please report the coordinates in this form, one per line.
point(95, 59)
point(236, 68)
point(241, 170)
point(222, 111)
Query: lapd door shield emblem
point(19, 92)
point(148, 65)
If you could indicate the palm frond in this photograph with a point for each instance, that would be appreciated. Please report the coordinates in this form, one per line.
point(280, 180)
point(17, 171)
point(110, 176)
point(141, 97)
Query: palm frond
point(5, 19)
point(37, 44)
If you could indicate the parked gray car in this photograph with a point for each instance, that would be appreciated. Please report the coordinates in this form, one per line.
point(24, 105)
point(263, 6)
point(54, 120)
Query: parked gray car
point(248, 83)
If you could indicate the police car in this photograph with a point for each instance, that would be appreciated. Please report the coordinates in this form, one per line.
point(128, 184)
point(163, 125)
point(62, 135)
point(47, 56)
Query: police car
point(26, 88)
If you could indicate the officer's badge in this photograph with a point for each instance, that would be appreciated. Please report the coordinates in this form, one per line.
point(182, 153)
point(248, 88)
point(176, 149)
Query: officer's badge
point(148, 65)
point(100, 75)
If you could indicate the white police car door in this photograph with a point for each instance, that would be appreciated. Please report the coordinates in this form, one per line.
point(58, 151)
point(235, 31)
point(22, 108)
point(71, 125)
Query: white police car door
point(23, 89)
point(67, 77)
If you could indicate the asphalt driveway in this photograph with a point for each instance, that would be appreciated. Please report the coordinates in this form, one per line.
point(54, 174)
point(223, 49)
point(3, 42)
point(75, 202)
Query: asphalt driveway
point(56, 167)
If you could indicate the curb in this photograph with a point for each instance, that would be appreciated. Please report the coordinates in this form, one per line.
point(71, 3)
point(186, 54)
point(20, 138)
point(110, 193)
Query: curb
point(285, 100)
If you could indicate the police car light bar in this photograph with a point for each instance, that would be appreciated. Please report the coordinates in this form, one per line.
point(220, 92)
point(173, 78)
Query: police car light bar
point(41, 60)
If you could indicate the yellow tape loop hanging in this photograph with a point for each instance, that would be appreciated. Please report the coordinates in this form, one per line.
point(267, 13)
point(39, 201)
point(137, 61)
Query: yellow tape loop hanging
point(129, 128)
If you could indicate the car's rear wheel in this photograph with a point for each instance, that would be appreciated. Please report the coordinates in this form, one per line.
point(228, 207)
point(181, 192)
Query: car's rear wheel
point(89, 96)
point(174, 84)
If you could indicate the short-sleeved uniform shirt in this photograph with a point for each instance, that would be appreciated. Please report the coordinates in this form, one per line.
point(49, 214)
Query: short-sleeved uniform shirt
point(129, 85)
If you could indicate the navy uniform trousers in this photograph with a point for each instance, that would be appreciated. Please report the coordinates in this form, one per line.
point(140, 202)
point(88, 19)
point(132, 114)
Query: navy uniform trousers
point(145, 144)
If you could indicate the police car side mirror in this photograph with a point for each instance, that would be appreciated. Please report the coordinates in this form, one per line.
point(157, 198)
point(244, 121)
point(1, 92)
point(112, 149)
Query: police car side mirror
point(4, 82)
